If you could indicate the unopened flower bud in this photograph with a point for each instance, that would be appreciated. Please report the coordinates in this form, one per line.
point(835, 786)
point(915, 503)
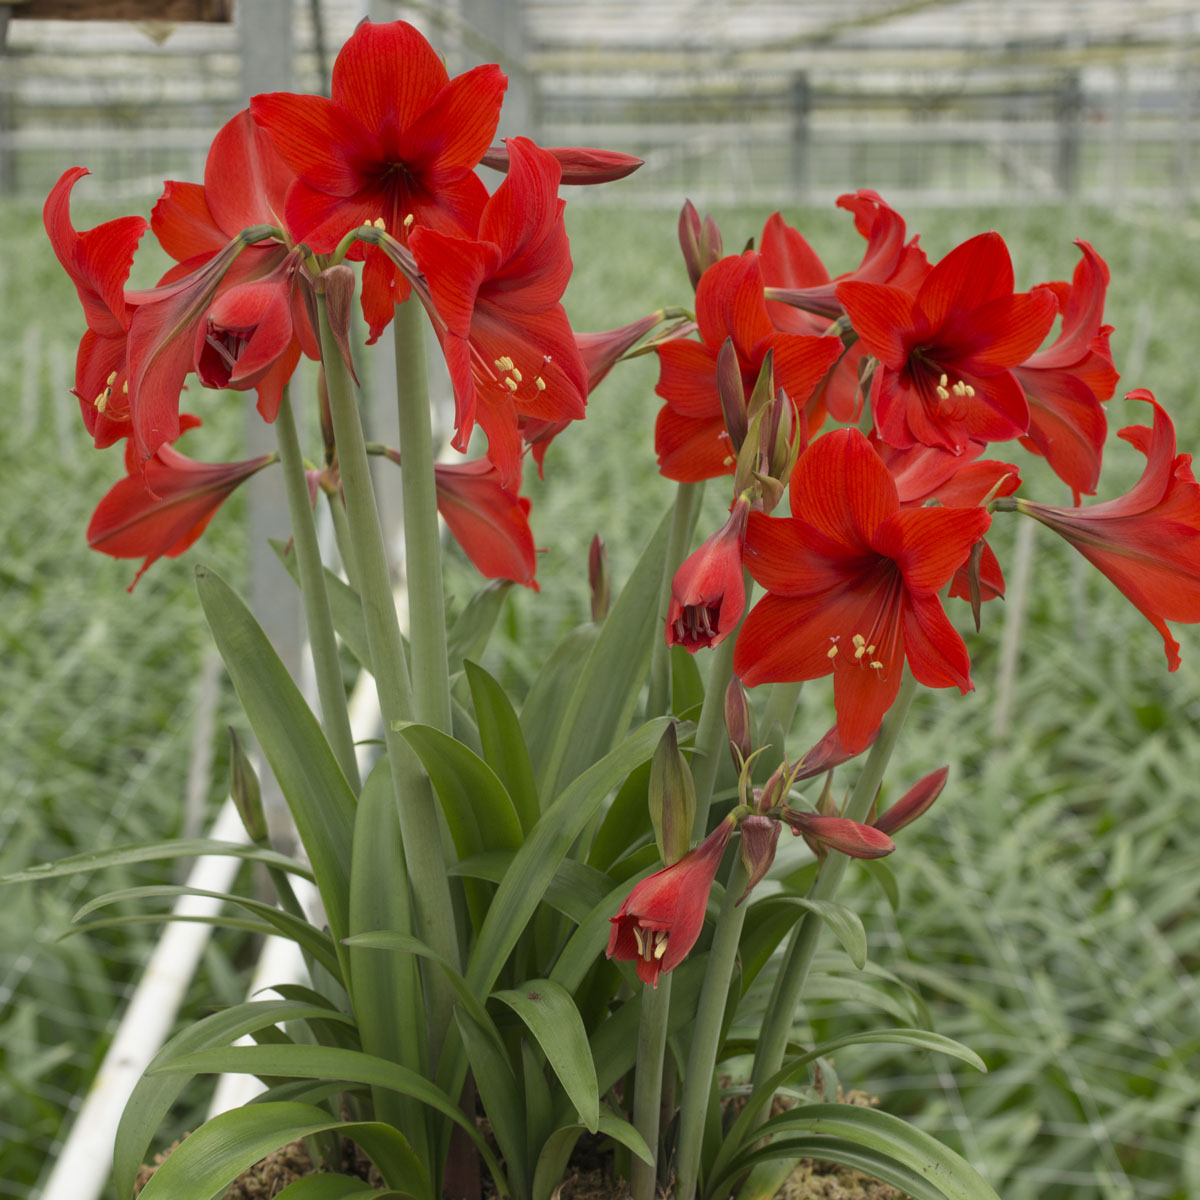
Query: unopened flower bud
point(246, 793)
point(732, 395)
point(700, 242)
point(913, 803)
point(839, 833)
point(828, 753)
point(737, 722)
point(760, 836)
point(599, 581)
point(672, 796)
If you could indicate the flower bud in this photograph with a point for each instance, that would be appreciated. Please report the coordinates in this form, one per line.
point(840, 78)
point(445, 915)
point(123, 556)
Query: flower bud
point(839, 833)
point(917, 800)
point(672, 798)
point(599, 580)
point(737, 722)
point(828, 753)
point(246, 793)
point(760, 836)
point(732, 395)
point(700, 242)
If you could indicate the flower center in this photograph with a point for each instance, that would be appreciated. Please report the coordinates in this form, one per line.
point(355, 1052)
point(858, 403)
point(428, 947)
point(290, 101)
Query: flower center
point(859, 653)
point(651, 944)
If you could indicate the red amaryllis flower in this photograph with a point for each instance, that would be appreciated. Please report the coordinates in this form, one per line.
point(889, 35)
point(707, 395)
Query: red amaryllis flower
point(662, 917)
point(252, 335)
point(164, 503)
point(1066, 382)
point(852, 586)
point(508, 343)
point(398, 141)
point(98, 262)
point(490, 522)
point(917, 800)
point(945, 355)
point(690, 436)
point(1147, 541)
point(708, 593)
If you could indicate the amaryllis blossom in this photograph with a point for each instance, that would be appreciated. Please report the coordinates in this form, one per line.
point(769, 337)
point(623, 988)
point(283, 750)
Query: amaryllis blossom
point(164, 503)
point(946, 353)
point(397, 141)
point(490, 522)
point(690, 437)
point(98, 262)
point(253, 333)
point(1147, 541)
point(1066, 382)
point(852, 586)
point(508, 344)
point(708, 592)
point(662, 916)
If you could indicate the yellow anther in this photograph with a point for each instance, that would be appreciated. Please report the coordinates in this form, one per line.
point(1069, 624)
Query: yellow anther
point(859, 640)
point(380, 223)
point(944, 379)
point(368, 223)
point(511, 384)
point(870, 649)
point(831, 652)
point(505, 363)
point(943, 394)
point(541, 384)
point(660, 943)
point(860, 652)
point(877, 666)
point(112, 378)
point(959, 389)
point(969, 389)
point(101, 400)
point(125, 388)
point(516, 374)
point(637, 937)
point(408, 220)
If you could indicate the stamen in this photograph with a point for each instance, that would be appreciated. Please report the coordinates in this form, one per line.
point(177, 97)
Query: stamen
point(660, 943)
point(859, 640)
point(944, 380)
point(943, 394)
point(860, 652)
point(515, 374)
point(541, 384)
point(831, 652)
point(408, 220)
point(101, 401)
point(511, 384)
point(125, 388)
point(877, 666)
point(112, 378)
point(380, 223)
point(505, 363)
point(637, 937)
point(969, 389)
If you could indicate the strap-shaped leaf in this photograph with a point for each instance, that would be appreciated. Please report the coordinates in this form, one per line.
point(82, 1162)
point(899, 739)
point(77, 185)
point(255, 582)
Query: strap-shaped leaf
point(306, 936)
point(204, 1164)
point(744, 1130)
point(574, 891)
point(123, 856)
point(626, 822)
point(881, 1134)
point(468, 635)
point(551, 1016)
point(545, 847)
point(845, 923)
point(601, 703)
point(153, 1095)
point(587, 943)
point(556, 1152)
point(335, 1187)
point(503, 743)
point(318, 796)
point(326, 1062)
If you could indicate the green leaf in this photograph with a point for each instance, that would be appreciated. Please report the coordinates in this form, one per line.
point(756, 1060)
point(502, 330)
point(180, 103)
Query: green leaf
point(546, 846)
point(575, 889)
point(345, 606)
point(95, 860)
point(205, 1163)
point(326, 1062)
point(600, 705)
point(881, 1134)
point(551, 1016)
point(587, 943)
point(626, 822)
point(504, 748)
point(386, 989)
point(885, 877)
point(742, 1131)
point(846, 924)
point(335, 1187)
point(153, 1095)
point(318, 796)
point(306, 936)
point(687, 688)
point(468, 635)
point(556, 1152)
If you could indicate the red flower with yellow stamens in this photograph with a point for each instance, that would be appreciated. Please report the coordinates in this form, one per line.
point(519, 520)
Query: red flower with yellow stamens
point(852, 586)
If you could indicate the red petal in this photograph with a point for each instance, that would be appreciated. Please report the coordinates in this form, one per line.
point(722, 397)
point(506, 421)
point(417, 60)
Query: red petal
point(970, 275)
point(730, 303)
point(930, 544)
point(887, 320)
point(184, 224)
point(453, 133)
point(245, 179)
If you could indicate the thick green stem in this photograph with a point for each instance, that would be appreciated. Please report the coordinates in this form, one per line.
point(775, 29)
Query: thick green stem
point(330, 688)
point(647, 1089)
point(706, 1036)
point(687, 503)
point(419, 821)
point(422, 539)
point(793, 973)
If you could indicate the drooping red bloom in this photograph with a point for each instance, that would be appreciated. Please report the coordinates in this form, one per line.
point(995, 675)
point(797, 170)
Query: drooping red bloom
point(690, 436)
point(708, 593)
point(946, 353)
point(662, 916)
point(1147, 541)
point(508, 344)
point(98, 262)
point(164, 503)
point(824, 833)
point(398, 141)
point(252, 335)
point(1066, 382)
point(490, 522)
point(580, 164)
point(917, 800)
point(852, 586)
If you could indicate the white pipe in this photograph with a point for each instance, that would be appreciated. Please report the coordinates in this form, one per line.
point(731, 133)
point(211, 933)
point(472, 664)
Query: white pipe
point(85, 1161)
